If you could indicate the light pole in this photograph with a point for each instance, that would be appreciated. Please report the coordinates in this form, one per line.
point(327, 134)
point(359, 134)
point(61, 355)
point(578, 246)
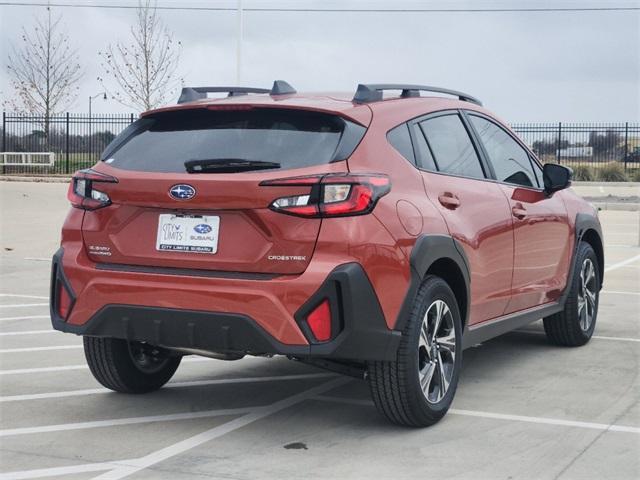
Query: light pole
point(240, 34)
point(91, 97)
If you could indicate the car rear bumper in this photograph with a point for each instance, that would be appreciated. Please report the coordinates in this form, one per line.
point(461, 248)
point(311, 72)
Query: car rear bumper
point(222, 314)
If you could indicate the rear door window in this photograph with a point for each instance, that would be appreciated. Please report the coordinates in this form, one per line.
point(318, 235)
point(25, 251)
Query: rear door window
point(451, 147)
point(290, 138)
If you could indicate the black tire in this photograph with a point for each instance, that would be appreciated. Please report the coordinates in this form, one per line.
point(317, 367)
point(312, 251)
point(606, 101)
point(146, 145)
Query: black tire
point(129, 367)
point(395, 385)
point(567, 327)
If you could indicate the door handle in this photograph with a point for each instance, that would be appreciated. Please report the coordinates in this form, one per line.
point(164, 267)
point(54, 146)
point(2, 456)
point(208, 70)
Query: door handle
point(449, 200)
point(519, 211)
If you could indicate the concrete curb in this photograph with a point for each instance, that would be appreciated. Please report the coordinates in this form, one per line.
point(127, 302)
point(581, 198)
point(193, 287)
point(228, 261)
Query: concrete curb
point(627, 207)
point(34, 179)
point(605, 184)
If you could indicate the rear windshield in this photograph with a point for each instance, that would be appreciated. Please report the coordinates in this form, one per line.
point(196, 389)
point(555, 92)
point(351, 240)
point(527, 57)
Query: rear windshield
point(290, 138)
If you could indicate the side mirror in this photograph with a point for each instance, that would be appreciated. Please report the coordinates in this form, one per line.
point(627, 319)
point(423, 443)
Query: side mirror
point(556, 177)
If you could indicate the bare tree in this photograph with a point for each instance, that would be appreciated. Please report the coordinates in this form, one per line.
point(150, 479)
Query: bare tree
point(44, 70)
point(144, 69)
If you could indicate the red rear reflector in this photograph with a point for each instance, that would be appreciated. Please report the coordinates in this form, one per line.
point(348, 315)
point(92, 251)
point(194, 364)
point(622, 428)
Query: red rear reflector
point(63, 301)
point(319, 321)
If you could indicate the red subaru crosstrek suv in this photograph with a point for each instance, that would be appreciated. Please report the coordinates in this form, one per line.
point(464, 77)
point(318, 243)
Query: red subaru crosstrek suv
point(377, 237)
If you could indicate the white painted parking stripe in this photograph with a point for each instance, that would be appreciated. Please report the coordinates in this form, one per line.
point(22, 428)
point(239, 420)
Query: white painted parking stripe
point(619, 339)
point(39, 349)
point(23, 305)
point(195, 383)
point(38, 259)
point(23, 371)
point(16, 295)
point(622, 263)
point(10, 432)
point(28, 332)
point(217, 432)
point(614, 292)
point(597, 337)
point(59, 471)
point(502, 416)
point(28, 317)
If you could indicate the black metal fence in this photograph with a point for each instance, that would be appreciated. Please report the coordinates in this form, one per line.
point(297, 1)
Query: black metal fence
point(76, 141)
point(584, 144)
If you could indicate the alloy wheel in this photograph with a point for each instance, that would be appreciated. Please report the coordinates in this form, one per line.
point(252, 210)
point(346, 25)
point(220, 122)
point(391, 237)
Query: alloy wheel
point(587, 294)
point(436, 351)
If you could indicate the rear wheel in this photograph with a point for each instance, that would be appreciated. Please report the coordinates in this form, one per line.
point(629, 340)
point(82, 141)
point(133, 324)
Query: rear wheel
point(574, 325)
point(129, 367)
point(418, 387)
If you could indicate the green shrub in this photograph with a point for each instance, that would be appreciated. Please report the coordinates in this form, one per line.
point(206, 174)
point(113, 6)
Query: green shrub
point(635, 176)
point(612, 172)
point(583, 173)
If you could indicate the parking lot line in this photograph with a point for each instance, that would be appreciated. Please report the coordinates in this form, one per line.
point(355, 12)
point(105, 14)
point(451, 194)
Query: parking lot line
point(622, 263)
point(597, 337)
point(84, 366)
point(502, 416)
point(216, 432)
point(195, 383)
point(28, 317)
point(22, 305)
point(618, 292)
point(63, 427)
point(22, 371)
point(17, 295)
point(59, 471)
point(28, 332)
point(39, 349)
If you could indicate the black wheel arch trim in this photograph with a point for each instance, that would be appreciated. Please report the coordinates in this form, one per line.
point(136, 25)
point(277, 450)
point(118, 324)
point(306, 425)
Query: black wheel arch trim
point(586, 223)
point(428, 249)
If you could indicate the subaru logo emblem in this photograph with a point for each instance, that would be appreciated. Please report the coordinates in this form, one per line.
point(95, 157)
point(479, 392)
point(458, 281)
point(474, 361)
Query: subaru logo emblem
point(202, 228)
point(182, 192)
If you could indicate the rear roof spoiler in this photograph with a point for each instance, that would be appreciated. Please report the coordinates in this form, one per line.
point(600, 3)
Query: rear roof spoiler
point(367, 93)
point(190, 94)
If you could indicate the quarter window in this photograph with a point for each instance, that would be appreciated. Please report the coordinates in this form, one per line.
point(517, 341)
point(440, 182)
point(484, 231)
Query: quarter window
point(451, 146)
point(400, 139)
point(510, 161)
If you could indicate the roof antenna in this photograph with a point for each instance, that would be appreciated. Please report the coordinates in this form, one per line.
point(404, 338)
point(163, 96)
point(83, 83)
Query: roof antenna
point(280, 87)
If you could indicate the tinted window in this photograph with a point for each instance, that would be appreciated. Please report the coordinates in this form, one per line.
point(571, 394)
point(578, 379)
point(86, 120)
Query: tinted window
point(451, 146)
point(400, 139)
point(425, 158)
point(294, 139)
point(538, 172)
point(510, 161)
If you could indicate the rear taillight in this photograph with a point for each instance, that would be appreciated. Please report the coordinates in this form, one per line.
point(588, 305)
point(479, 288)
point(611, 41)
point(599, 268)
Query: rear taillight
point(84, 190)
point(333, 195)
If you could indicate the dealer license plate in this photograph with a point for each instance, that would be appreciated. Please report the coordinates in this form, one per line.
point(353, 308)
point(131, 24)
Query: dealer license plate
point(183, 233)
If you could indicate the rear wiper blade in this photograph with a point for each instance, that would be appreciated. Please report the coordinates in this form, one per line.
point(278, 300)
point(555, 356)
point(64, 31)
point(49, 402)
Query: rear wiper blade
point(227, 165)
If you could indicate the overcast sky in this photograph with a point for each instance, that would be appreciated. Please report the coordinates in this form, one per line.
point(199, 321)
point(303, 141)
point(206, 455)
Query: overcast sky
point(525, 66)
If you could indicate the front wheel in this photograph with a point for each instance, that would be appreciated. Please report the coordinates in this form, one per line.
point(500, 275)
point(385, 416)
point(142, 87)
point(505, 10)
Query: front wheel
point(574, 325)
point(418, 387)
point(129, 367)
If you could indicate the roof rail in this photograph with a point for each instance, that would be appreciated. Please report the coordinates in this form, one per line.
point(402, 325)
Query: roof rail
point(373, 92)
point(190, 94)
